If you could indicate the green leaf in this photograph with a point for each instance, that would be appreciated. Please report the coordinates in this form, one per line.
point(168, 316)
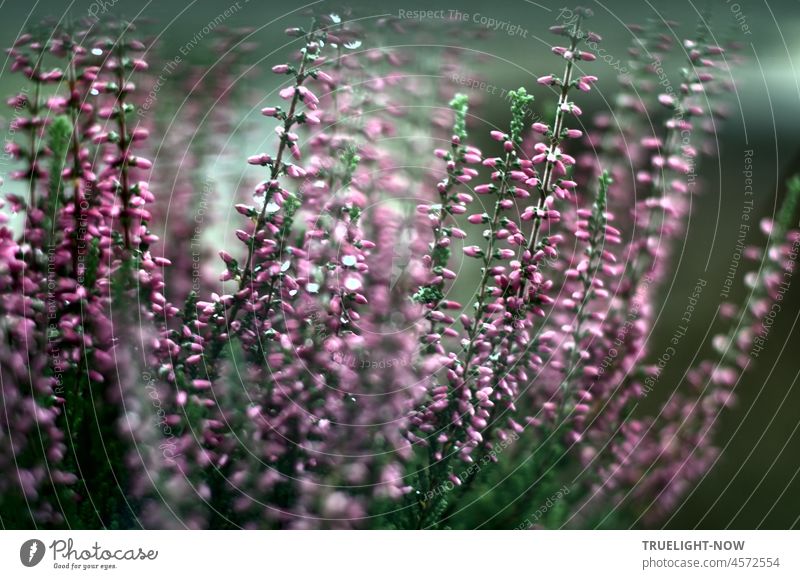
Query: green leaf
point(460, 105)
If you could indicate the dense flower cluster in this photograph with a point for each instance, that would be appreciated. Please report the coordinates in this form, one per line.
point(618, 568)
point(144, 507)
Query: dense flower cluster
point(328, 376)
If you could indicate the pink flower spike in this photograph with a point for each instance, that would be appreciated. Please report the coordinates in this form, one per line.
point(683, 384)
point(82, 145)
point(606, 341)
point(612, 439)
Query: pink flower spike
point(262, 160)
point(666, 100)
point(591, 371)
point(583, 85)
point(473, 251)
point(140, 162)
point(287, 93)
point(506, 254)
point(308, 98)
point(295, 171)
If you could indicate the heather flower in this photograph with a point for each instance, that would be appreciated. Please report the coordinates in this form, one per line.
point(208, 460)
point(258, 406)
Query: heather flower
point(27, 56)
point(329, 375)
point(586, 285)
point(118, 177)
point(32, 444)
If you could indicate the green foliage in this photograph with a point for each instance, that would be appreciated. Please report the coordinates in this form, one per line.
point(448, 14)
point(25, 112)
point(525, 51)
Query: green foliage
point(602, 194)
point(527, 484)
point(349, 159)
point(428, 294)
point(58, 138)
point(597, 221)
point(786, 215)
point(460, 105)
point(441, 256)
point(92, 263)
point(520, 101)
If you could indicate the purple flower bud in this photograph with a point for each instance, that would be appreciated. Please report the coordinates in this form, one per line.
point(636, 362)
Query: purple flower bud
point(473, 251)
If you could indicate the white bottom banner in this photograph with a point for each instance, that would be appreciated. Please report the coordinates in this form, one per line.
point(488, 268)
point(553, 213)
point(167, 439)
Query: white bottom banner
point(390, 554)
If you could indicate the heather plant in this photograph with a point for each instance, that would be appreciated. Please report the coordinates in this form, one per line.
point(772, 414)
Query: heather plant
point(327, 377)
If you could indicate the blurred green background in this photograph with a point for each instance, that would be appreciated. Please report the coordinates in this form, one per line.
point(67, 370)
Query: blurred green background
point(755, 483)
